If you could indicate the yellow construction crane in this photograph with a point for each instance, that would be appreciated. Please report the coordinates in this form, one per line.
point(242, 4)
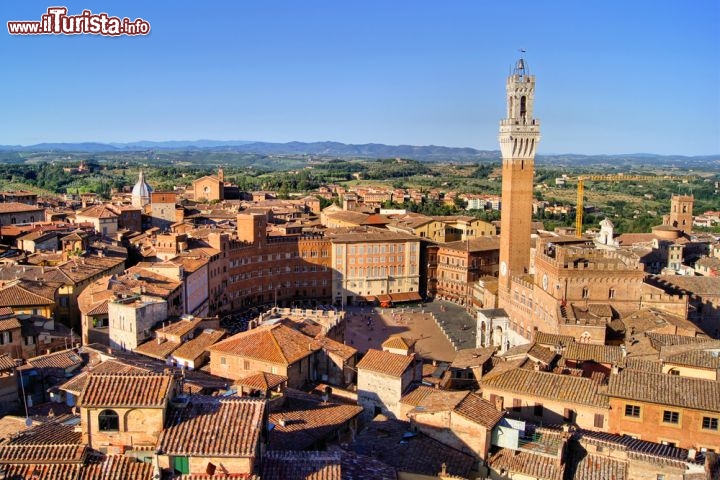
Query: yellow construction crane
point(620, 177)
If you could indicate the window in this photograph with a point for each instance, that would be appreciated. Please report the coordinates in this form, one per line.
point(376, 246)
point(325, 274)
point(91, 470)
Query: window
point(671, 417)
point(674, 371)
point(585, 292)
point(538, 410)
point(108, 421)
point(246, 364)
point(611, 293)
point(599, 421)
point(710, 423)
point(517, 404)
point(223, 361)
point(632, 411)
point(569, 415)
point(6, 338)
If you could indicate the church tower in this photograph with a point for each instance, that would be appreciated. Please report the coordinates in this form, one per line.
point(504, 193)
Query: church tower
point(519, 136)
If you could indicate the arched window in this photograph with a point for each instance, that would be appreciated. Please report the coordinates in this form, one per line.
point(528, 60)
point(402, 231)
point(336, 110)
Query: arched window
point(523, 107)
point(108, 421)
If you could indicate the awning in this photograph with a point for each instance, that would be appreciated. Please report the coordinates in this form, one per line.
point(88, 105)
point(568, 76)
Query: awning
point(384, 298)
point(368, 299)
point(405, 297)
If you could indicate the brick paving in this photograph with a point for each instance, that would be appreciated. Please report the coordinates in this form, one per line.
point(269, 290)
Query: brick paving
point(369, 327)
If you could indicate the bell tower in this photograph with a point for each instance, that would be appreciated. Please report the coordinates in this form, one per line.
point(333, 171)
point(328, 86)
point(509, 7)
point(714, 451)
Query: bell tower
point(519, 136)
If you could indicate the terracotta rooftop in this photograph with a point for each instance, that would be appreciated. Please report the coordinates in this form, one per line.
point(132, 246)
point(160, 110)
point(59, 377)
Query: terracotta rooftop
point(279, 465)
point(126, 390)
point(64, 359)
point(399, 342)
point(566, 388)
point(45, 471)
point(97, 211)
point(28, 294)
point(367, 234)
point(526, 464)
point(116, 467)
point(336, 348)
point(46, 443)
point(16, 207)
point(6, 362)
point(474, 245)
point(271, 343)
point(9, 324)
point(308, 420)
point(665, 389)
point(262, 381)
point(214, 426)
point(417, 395)
point(387, 363)
point(472, 357)
point(192, 349)
point(598, 353)
point(77, 383)
point(157, 348)
point(477, 409)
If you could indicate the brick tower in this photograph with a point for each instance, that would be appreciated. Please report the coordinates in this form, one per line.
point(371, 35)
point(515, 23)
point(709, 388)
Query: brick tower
point(519, 136)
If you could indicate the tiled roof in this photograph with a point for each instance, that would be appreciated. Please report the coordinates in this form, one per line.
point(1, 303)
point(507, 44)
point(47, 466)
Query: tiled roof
point(97, 211)
point(361, 467)
point(479, 410)
point(472, 357)
point(565, 388)
point(262, 381)
point(543, 354)
point(116, 467)
point(6, 362)
point(552, 339)
point(28, 294)
point(46, 443)
point(659, 340)
point(439, 401)
point(581, 465)
point(416, 396)
point(272, 343)
point(308, 420)
point(17, 207)
point(77, 383)
point(665, 389)
point(65, 359)
point(695, 358)
point(41, 471)
point(398, 342)
point(9, 324)
point(213, 426)
point(126, 390)
point(638, 448)
point(180, 328)
point(647, 365)
point(278, 465)
point(157, 348)
point(389, 442)
point(527, 464)
point(598, 353)
point(192, 349)
point(473, 245)
point(336, 348)
point(387, 363)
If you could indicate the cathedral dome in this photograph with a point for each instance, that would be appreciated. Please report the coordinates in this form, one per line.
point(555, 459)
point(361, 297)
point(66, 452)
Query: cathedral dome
point(141, 191)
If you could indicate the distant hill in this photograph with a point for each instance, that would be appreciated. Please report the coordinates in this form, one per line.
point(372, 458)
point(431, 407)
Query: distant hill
point(428, 153)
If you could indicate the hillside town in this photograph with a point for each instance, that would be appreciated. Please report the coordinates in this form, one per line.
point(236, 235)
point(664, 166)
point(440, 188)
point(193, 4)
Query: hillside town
point(212, 333)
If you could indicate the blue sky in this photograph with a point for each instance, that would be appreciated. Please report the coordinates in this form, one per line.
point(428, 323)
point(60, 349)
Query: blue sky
point(612, 76)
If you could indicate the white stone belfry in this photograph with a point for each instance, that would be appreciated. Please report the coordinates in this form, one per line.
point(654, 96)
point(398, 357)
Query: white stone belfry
point(605, 237)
